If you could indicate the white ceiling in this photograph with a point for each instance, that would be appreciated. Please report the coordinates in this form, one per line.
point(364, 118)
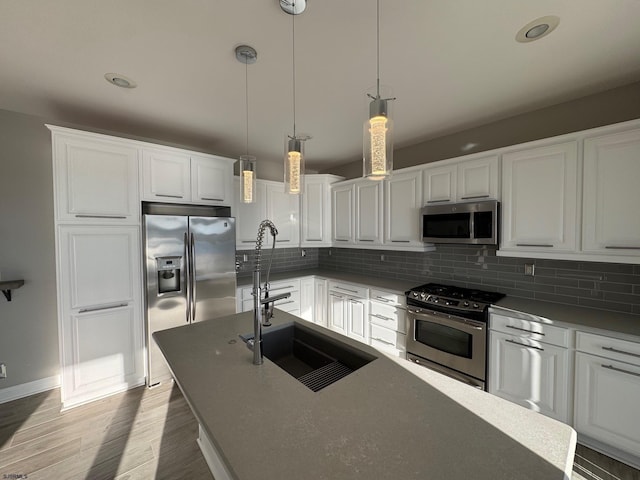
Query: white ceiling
point(452, 64)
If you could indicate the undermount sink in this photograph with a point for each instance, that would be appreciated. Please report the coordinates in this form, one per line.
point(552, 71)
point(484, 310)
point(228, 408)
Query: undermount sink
point(314, 359)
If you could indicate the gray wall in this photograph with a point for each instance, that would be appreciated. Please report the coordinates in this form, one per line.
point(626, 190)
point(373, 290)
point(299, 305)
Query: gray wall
point(28, 324)
point(608, 286)
point(612, 106)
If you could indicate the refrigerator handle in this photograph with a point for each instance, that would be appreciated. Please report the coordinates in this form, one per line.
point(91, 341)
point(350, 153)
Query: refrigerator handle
point(193, 278)
point(187, 275)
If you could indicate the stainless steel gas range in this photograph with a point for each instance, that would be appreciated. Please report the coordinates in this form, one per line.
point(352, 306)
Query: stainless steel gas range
point(447, 330)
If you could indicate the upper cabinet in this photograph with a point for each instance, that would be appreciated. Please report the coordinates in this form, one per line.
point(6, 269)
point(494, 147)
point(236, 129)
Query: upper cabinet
point(540, 199)
point(170, 175)
point(611, 223)
point(465, 181)
point(368, 216)
point(96, 178)
point(403, 194)
point(343, 213)
point(315, 215)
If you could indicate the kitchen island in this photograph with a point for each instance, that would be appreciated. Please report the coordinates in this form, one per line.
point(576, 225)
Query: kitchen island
point(390, 419)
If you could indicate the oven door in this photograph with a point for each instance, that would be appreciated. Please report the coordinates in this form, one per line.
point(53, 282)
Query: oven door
point(454, 342)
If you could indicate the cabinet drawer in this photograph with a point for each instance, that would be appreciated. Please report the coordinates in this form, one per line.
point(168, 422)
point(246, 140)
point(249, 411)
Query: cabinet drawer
point(530, 329)
point(284, 286)
point(387, 339)
point(388, 298)
point(348, 289)
point(615, 348)
point(387, 316)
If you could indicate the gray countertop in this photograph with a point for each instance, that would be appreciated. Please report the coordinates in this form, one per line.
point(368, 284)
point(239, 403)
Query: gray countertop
point(390, 419)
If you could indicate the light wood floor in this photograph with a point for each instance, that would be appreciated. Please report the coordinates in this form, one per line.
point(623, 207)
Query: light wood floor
point(143, 434)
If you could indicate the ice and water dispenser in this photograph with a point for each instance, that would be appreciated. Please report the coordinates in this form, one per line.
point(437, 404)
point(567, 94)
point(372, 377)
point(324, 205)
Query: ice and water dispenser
point(168, 274)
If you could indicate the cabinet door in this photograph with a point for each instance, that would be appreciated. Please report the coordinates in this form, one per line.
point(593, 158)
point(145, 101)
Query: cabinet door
point(607, 398)
point(100, 304)
point(369, 212)
point(611, 223)
point(403, 193)
point(337, 313)
point(478, 179)
point(439, 184)
point(211, 180)
point(307, 292)
point(529, 373)
point(283, 210)
point(166, 176)
point(342, 213)
point(320, 304)
point(313, 213)
point(539, 199)
point(358, 319)
point(96, 180)
point(249, 216)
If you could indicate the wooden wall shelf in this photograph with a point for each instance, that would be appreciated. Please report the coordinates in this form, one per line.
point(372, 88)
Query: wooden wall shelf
point(7, 286)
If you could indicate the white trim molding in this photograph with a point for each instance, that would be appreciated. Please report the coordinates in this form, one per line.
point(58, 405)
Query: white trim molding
point(30, 388)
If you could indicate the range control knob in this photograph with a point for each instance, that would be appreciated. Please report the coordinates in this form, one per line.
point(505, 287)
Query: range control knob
point(475, 305)
point(435, 300)
point(415, 294)
point(423, 295)
point(465, 304)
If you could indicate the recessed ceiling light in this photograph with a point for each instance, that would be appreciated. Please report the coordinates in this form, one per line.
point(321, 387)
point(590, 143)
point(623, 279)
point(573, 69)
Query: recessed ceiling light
point(538, 28)
point(120, 80)
point(469, 146)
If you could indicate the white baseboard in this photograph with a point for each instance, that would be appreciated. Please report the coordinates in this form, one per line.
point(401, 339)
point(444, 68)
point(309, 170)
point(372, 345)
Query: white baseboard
point(29, 388)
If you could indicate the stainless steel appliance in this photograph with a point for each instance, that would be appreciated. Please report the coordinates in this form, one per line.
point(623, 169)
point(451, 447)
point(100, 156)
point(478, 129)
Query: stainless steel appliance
point(447, 330)
point(474, 223)
point(190, 271)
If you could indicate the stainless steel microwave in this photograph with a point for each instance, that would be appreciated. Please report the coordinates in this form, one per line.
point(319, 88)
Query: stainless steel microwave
point(472, 223)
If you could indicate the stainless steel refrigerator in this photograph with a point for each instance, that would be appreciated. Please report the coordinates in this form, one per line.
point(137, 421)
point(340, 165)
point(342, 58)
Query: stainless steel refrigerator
point(190, 271)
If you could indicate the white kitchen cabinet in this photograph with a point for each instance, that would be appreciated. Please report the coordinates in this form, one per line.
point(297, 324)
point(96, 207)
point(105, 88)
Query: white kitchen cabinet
point(540, 199)
point(403, 201)
point(478, 179)
point(95, 177)
point(387, 318)
point(100, 311)
point(440, 184)
point(321, 315)
point(611, 223)
point(284, 211)
point(530, 373)
point(177, 176)
point(343, 213)
point(307, 294)
point(315, 214)
point(369, 196)
point(348, 310)
point(608, 394)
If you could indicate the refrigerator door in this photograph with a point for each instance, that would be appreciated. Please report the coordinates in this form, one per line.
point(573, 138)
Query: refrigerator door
point(213, 243)
point(167, 283)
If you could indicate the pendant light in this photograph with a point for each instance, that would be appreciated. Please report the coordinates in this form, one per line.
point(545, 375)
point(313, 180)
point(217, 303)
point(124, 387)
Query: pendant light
point(294, 145)
point(246, 54)
point(378, 128)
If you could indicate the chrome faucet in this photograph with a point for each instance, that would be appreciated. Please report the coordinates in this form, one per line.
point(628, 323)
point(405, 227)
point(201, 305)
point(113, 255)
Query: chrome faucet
point(262, 302)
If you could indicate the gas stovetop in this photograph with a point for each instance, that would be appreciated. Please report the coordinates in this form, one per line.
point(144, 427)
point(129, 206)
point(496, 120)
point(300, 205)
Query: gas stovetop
point(450, 298)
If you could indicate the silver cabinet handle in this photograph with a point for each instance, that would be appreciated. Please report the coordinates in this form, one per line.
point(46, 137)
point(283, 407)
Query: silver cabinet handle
point(401, 241)
point(383, 341)
point(524, 344)
point(273, 289)
point(166, 195)
point(533, 245)
point(365, 240)
point(354, 301)
point(283, 303)
point(615, 350)
point(283, 240)
point(382, 299)
point(212, 199)
point(100, 216)
point(611, 367)
point(439, 201)
point(247, 241)
point(524, 330)
point(382, 317)
point(341, 240)
point(336, 296)
point(347, 289)
point(615, 247)
point(96, 309)
point(474, 196)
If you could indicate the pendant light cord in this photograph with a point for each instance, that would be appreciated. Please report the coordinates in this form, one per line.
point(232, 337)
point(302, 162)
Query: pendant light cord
point(293, 30)
point(378, 48)
point(246, 97)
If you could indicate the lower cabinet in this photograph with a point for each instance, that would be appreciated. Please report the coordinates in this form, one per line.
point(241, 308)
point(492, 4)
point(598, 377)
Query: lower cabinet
point(530, 373)
point(307, 294)
point(387, 316)
point(320, 314)
point(348, 310)
point(608, 394)
point(100, 311)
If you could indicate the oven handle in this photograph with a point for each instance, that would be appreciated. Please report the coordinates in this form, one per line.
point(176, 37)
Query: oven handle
point(448, 320)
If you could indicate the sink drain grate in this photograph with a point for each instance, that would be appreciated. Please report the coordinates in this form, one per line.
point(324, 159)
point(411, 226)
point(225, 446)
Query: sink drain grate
point(325, 376)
